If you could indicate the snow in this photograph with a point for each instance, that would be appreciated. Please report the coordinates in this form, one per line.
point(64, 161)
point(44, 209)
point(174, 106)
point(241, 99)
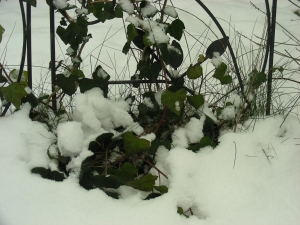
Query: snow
point(148, 11)
point(147, 101)
point(170, 11)
point(60, 4)
point(216, 60)
point(70, 138)
point(251, 177)
point(127, 6)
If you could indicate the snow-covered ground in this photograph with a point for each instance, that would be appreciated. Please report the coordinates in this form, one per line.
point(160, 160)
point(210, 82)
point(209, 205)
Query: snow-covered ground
point(251, 177)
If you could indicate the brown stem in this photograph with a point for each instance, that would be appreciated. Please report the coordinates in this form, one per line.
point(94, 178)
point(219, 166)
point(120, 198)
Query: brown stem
point(161, 120)
point(158, 170)
point(6, 73)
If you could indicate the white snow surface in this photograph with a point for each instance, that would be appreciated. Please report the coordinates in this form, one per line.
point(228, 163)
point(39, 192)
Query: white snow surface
point(60, 4)
point(251, 177)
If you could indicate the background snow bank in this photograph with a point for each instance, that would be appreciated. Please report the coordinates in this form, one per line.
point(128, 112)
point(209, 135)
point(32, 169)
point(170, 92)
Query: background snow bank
point(254, 191)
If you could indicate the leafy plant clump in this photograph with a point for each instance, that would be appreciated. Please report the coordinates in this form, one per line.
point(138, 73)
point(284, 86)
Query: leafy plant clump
point(111, 153)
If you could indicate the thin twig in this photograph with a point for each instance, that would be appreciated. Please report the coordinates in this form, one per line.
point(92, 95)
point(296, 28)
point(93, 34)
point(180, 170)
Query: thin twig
point(234, 154)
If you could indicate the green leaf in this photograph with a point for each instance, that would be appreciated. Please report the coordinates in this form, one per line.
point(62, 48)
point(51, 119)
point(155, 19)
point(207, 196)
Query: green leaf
point(126, 173)
point(145, 183)
point(146, 40)
point(175, 29)
point(101, 143)
point(86, 84)
point(62, 33)
point(196, 101)
point(78, 73)
point(172, 55)
point(220, 74)
point(119, 11)
point(14, 93)
point(257, 78)
point(149, 70)
point(162, 189)
point(31, 2)
point(48, 174)
point(174, 101)
point(206, 141)
point(2, 78)
point(67, 84)
point(131, 32)
point(101, 181)
point(181, 212)
point(280, 69)
point(31, 99)
point(194, 72)
point(14, 74)
point(126, 47)
point(134, 145)
point(152, 195)
point(1, 32)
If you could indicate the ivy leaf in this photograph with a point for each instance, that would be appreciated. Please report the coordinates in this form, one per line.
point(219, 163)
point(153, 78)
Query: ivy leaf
point(146, 40)
point(101, 181)
point(194, 72)
point(150, 71)
point(162, 189)
point(196, 101)
point(131, 32)
point(14, 74)
point(31, 99)
point(126, 47)
point(62, 33)
point(181, 212)
point(67, 84)
point(119, 11)
point(134, 145)
point(1, 32)
point(172, 55)
point(126, 173)
point(206, 141)
point(145, 183)
point(220, 74)
point(174, 101)
point(175, 29)
point(14, 93)
point(257, 78)
point(48, 174)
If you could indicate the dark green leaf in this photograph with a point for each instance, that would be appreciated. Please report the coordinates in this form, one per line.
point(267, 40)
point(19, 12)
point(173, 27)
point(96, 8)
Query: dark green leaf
point(134, 145)
point(14, 93)
point(2, 79)
point(101, 181)
point(119, 11)
point(31, 99)
point(175, 29)
point(181, 212)
point(67, 84)
point(194, 72)
point(152, 195)
point(145, 183)
point(146, 40)
point(126, 173)
point(86, 84)
point(142, 108)
point(131, 32)
point(206, 141)
point(48, 174)
point(78, 73)
point(174, 101)
point(126, 47)
point(138, 40)
point(1, 32)
point(196, 101)
point(150, 71)
point(257, 78)
point(31, 2)
point(172, 55)
point(62, 33)
point(162, 189)
point(220, 74)
point(86, 178)
point(112, 194)
point(154, 146)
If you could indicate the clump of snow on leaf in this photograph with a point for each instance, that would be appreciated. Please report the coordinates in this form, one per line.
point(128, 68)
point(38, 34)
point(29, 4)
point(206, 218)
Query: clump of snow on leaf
point(149, 10)
point(216, 60)
point(170, 11)
point(228, 113)
point(100, 114)
point(191, 133)
point(60, 4)
point(82, 11)
point(102, 73)
point(148, 102)
point(70, 138)
point(127, 6)
point(235, 99)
